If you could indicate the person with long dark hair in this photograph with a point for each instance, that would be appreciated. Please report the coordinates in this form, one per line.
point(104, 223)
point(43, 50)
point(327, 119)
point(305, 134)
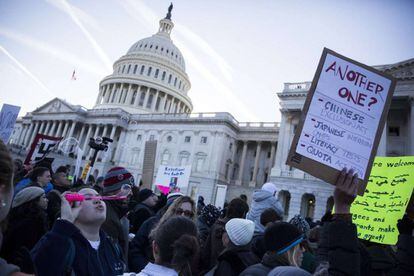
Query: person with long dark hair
point(175, 246)
point(27, 223)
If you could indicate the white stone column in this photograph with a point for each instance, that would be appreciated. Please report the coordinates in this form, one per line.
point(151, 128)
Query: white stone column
point(272, 154)
point(107, 93)
point(233, 161)
point(46, 131)
point(29, 134)
point(129, 95)
point(147, 93)
point(137, 96)
point(35, 131)
point(79, 138)
point(256, 164)
point(154, 102)
point(119, 96)
point(242, 160)
point(295, 203)
point(50, 133)
point(22, 134)
point(72, 129)
point(65, 129)
point(164, 99)
point(382, 146)
point(111, 136)
point(171, 109)
point(118, 149)
point(60, 124)
point(281, 137)
point(85, 144)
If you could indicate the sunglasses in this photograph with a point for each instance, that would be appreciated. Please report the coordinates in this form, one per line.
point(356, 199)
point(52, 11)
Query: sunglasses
point(186, 213)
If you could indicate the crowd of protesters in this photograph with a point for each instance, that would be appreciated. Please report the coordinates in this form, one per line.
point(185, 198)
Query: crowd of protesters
point(122, 228)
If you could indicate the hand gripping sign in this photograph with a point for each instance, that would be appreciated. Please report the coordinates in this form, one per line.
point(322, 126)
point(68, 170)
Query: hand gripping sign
point(343, 118)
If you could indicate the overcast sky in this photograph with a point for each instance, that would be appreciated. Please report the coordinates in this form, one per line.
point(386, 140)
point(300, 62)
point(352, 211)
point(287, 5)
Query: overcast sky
point(238, 53)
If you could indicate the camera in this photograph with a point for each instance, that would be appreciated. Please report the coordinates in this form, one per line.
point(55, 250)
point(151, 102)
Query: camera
point(99, 143)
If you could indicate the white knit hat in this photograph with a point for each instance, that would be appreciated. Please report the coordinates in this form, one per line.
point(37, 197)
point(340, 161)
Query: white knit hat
point(26, 195)
point(240, 231)
point(270, 187)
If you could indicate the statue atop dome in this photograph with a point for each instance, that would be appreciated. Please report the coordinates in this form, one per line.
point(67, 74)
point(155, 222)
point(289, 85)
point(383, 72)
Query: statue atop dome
point(168, 16)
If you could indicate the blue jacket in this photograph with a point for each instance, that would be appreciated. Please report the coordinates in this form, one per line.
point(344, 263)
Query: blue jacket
point(64, 250)
point(25, 182)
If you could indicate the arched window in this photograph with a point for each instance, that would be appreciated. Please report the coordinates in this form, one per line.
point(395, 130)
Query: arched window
point(165, 158)
point(123, 69)
point(175, 81)
point(235, 171)
point(157, 104)
point(284, 199)
point(179, 86)
point(307, 208)
point(156, 73)
point(150, 98)
point(135, 68)
point(141, 98)
point(149, 71)
point(113, 96)
point(200, 160)
point(169, 78)
point(134, 156)
point(163, 75)
point(134, 95)
point(183, 158)
point(142, 69)
point(129, 68)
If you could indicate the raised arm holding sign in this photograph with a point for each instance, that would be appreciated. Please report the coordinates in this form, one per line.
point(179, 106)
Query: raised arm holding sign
point(345, 112)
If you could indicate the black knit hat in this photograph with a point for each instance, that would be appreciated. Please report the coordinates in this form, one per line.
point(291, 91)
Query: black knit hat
point(281, 236)
point(144, 194)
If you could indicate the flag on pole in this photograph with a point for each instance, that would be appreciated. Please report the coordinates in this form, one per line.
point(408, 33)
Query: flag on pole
point(73, 75)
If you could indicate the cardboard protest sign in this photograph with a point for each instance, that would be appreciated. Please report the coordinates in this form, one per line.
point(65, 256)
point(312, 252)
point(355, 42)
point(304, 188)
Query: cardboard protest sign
point(344, 115)
point(387, 195)
point(172, 178)
point(8, 116)
point(41, 146)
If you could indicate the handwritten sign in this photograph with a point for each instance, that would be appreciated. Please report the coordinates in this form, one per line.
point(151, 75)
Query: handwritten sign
point(42, 145)
point(345, 112)
point(8, 116)
point(387, 195)
point(173, 178)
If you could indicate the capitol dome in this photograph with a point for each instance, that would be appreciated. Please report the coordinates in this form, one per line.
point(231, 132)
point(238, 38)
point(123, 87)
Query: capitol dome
point(150, 78)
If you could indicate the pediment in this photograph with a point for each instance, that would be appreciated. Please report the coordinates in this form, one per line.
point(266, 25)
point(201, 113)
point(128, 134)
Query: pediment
point(55, 106)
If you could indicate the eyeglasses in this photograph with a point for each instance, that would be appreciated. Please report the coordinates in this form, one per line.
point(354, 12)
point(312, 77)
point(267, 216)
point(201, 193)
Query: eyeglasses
point(186, 213)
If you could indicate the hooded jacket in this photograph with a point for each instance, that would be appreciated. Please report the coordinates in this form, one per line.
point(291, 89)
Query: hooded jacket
point(64, 250)
point(234, 259)
point(261, 201)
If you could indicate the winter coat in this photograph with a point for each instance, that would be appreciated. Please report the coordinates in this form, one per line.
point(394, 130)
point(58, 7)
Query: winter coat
point(262, 200)
point(405, 256)
point(64, 250)
point(203, 231)
point(7, 269)
point(157, 270)
point(268, 262)
point(138, 215)
point(213, 245)
point(288, 271)
point(26, 182)
point(140, 249)
point(114, 227)
point(234, 259)
point(258, 246)
point(21, 236)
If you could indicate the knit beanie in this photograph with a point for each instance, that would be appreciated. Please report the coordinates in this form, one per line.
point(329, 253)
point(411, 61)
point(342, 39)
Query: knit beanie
point(240, 231)
point(210, 214)
point(144, 194)
point(115, 178)
point(281, 236)
point(301, 224)
point(270, 187)
point(173, 196)
point(26, 195)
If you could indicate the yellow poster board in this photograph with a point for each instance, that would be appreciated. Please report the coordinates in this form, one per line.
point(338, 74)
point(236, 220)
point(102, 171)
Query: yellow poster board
point(386, 197)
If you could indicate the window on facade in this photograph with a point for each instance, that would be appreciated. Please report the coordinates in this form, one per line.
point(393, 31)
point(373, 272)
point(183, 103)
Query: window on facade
point(183, 158)
point(179, 85)
point(129, 68)
point(226, 170)
point(156, 47)
point(124, 95)
point(199, 162)
point(157, 104)
point(203, 140)
point(141, 99)
point(269, 154)
point(142, 70)
point(156, 73)
point(394, 131)
point(165, 157)
point(175, 82)
point(168, 51)
point(149, 71)
point(152, 137)
point(151, 46)
point(139, 137)
point(134, 156)
point(134, 95)
point(187, 139)
point(149, 102)
point(162, 49)
point(145, 46)
point(119, 69)
point(169, 138)
point(163, 75)
point(123, 69)
point(230, 146)
point(135, 68)
point(113, 96)
point(169, 78)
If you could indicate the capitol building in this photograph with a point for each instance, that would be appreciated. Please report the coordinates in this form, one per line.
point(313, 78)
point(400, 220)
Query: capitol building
point(145, 108)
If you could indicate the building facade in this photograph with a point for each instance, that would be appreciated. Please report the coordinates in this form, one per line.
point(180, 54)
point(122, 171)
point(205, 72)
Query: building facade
point(145, 99)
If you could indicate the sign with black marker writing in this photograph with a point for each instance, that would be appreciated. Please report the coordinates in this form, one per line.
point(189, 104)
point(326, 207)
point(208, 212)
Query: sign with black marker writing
point(345, 114)
point(386, 197)
point(8, 116)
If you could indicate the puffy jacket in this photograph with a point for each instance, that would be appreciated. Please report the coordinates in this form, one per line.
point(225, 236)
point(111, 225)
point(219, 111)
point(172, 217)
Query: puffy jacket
point(64, 250)
point(235, 259)
point(138, 215)
point(268, 262)
point(261, 201)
